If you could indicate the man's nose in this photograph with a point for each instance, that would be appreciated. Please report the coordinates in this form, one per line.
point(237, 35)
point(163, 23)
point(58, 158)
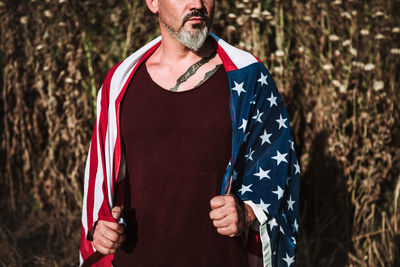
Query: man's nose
point(196, 4)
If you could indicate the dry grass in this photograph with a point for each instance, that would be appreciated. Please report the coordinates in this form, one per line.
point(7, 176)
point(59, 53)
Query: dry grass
point(335, 62)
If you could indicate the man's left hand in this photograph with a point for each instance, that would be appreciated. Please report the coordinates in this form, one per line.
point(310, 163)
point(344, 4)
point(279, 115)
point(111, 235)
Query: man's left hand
point(229, 217)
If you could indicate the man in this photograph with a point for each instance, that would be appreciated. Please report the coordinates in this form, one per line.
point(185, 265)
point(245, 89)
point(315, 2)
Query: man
point(177, 120)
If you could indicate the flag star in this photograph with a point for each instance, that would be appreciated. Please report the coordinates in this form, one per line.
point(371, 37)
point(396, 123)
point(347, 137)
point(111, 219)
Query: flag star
point(262, 174)
point(264, 206)
point(238, 88)
point(244, 124)
point(234, 175)
point(245, 188)
point(272, 223)
point(297, 166)
point(289, 260)
point(294, 240)
point(288, 180)
point(253, 101)
point(257, 117)
point(249, 156)
point(278, 192)
point(263, 79)
point(291, 144)
point(245, 137)
point(290, 203)
point(265, 137)
point(272, 100)
point(296, 226)
point(284, 216)
point(280, 157)
point(281, 122)
point(281, 229)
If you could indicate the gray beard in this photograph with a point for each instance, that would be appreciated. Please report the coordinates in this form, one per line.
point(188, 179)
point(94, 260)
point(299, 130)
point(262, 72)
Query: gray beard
point(193, 41)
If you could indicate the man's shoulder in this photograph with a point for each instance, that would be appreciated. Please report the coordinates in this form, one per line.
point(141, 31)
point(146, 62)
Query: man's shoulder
point(234, 57)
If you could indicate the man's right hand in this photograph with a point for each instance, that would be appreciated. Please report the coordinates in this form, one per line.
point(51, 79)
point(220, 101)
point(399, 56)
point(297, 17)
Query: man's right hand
point(108, 236)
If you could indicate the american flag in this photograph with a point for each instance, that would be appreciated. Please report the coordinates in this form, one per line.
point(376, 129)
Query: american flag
point(264, 170)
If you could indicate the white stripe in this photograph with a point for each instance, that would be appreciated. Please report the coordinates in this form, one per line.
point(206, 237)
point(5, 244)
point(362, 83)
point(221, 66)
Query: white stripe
point(239, 57)
point(85, 193)
point(266, 245)
point(98, 191)
point(80, 259)
point(261, 217)
point(117, 82)
point(265, 241)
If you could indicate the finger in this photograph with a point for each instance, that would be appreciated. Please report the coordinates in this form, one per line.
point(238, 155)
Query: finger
point(103, 246)
point(218, 214)
point(116, 212)
point(112, 225)
point(217, 201)
point(228, 231)
point(106, 251)
point(109, 235)
point(225, 222)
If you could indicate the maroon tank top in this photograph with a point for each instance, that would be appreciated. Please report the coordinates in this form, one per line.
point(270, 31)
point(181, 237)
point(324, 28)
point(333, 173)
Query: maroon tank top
point(177, 147)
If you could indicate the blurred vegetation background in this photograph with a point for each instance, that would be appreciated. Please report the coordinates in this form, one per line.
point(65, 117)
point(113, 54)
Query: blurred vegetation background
point(336, 64)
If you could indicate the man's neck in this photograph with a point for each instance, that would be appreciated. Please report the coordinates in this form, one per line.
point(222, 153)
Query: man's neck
point(172, 51)
point(177, 68)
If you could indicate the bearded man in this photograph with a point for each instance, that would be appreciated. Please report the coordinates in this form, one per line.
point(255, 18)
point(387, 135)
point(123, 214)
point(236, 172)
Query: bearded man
point(191, 160)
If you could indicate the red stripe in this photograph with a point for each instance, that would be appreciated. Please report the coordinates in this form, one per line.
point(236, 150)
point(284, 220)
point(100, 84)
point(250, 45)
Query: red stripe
point(228, 63)
point(86, 246)
point(103, 125)
point(117, 148)
point(254, 245)
point(92, 180)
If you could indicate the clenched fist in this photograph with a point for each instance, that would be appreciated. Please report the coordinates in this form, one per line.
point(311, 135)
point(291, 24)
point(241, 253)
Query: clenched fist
point(229, 217)
point(108, 236)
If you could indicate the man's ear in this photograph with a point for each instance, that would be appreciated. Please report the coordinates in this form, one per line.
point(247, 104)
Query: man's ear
point(152, 5)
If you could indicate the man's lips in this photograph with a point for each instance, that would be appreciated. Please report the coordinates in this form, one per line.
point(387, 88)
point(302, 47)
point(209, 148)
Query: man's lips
point(196, 19)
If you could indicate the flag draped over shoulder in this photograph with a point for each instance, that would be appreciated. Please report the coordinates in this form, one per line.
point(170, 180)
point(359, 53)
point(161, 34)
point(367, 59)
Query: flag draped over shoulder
point(263, 166)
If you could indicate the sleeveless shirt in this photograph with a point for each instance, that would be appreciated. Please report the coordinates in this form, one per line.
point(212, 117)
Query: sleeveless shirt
point(177, 146)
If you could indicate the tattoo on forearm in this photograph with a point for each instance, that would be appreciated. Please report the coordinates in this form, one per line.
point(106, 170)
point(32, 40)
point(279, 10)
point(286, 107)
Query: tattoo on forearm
point(209, 74)
point(192, 70)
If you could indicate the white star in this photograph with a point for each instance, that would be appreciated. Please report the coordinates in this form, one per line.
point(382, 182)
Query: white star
point(294, 240)
point(264, 206)
point(284, 216)
point(263, 79)
point(265, 137)
point(245, 188)
point(289, 260)
point(281, 122)
point(278, 192)
point(272, 100)
point(262, 174)
point(272, 223)
point(287, 180)
point(238, 88)
point(295, 226)
point(281, 229)
point(257, 117)
point(290, 203)
point(291, 144)
point(297, 166)
point(253, 101)
point(234, 175)
point(245, 137)
point(280, 157)
point(249, 156)
point(244, 124)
